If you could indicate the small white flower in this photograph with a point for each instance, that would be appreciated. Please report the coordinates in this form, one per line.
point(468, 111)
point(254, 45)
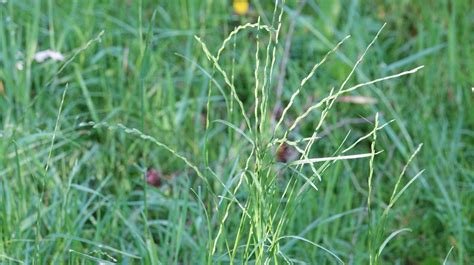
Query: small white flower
point(19, 65)
point(48, 54)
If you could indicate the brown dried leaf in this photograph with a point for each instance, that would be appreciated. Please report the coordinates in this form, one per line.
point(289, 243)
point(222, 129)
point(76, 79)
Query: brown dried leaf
point(363, 100)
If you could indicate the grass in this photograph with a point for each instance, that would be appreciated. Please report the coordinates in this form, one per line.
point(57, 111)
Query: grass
point(146, 85)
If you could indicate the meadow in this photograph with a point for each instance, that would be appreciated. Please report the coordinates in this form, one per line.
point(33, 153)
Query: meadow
point(181, 132)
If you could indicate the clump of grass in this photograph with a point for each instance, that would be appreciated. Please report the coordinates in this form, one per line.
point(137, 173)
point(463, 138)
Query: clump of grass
point(255, 192)
point(266, 208)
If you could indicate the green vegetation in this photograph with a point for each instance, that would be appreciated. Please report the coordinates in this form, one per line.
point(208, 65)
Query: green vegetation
point(144, 87)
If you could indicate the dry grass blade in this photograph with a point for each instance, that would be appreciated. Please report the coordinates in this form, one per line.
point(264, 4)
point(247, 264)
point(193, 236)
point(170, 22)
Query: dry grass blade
point(362, 100)
point(333, 158)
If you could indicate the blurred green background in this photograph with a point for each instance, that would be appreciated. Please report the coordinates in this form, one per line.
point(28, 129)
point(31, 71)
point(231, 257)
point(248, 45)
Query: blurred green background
point(151, 74)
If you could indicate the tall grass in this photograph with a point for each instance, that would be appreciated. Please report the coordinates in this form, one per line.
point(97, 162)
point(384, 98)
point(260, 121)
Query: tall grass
point(247, 181)
point(266, 208)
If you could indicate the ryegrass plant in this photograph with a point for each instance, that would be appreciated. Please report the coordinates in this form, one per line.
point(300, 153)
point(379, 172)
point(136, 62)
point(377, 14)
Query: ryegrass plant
point(78, 137)
point(266, 208)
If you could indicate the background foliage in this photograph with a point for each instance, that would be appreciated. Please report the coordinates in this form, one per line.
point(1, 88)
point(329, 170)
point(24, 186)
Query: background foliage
point(151, 75)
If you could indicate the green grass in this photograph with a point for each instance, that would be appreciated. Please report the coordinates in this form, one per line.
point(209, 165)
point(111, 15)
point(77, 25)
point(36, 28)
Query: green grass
point(137, 90)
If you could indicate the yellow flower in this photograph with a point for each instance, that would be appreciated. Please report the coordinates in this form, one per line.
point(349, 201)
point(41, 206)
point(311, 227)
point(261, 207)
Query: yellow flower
point(241, 7)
